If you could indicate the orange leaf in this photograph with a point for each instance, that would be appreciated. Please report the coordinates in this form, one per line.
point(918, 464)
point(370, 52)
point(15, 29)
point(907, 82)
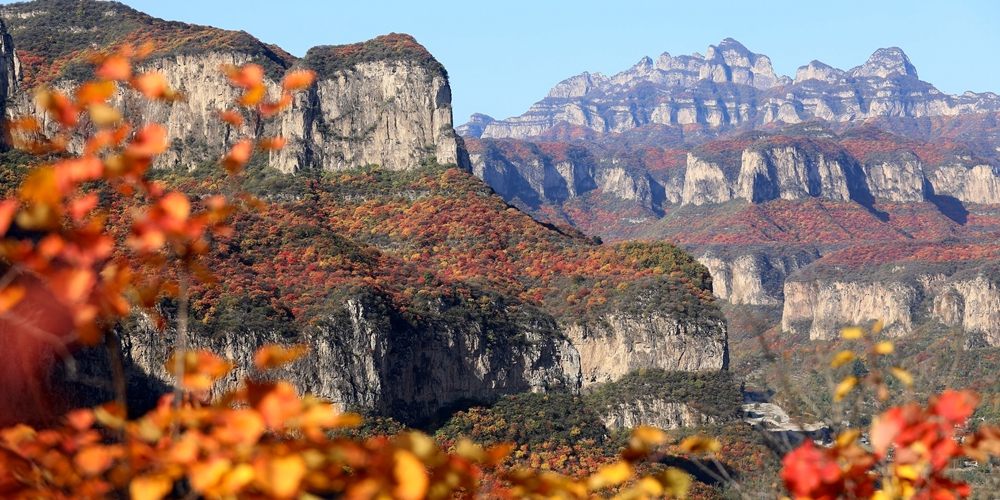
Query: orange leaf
point(95, 92)
point(10, 296)
point(272, 108)
point(231, 117)
point(206, 475)
point(70, 173)
point(272, 144)
point(150, 141)
point(7, 210)
point(246, 76)
point(274, 355)
point(956, 406)
point(176, 205)
point(243, 426)
point(285, 475)
point(152, 85)
point(238, 155)
point(25, 124)
point(279, 404)
point(80, 207)
point(253, 96)
point(150, 487)
point(60, 106)
point(73, 285)
point(885, 428)
point(411, 476)
point(81, 419)
point(298, 79)
point(93, 460)
point(115, 68)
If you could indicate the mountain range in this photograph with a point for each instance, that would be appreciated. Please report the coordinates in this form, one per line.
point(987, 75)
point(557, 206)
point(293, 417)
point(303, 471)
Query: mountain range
point(731, 88)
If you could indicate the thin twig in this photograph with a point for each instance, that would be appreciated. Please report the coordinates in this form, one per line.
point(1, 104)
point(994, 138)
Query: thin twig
point(181, 343)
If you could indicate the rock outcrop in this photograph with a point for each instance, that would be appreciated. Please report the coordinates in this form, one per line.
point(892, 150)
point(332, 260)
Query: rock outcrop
point(385, 101)
point(654, 413)
point(967, 301)
point(621, 343)
point(754, 276)
point(359, 360)
point(769, 172)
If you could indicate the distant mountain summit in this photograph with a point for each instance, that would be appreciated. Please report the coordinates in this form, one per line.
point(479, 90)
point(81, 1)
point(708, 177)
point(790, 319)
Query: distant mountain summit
point(731, 87)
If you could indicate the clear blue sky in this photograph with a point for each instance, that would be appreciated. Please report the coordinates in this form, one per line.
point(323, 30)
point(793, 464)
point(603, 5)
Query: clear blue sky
point(503, 56)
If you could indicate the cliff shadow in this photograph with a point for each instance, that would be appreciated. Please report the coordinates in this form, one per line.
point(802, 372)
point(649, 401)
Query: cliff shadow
point(866, 200)
point(950, 207)
point(858, 190)
point(91, 383)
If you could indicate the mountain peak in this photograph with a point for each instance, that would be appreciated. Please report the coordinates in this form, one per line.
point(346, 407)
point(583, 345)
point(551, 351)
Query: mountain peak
point(817, 70)
point(732, 44)
point(884, 63)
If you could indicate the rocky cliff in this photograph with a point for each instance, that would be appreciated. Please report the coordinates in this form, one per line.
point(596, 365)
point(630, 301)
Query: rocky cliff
point(731, 87)
point(385, 101)
point(908, 297)
point(621, 343)
point(359, 360)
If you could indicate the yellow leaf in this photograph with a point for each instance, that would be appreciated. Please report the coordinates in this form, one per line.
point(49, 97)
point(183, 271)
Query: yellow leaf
point(907, 472)
point(150, 487)
point(610, 475)
point(847, 437)
point(676, 482)
point(884, 347)
point(649, 436)
point(700, 444)
point(103, 115)
point(236, 479)
point(411, 476)
point(842, 358)
point(878, 326)
point(469, 450)
point(852, 333)
point(903, 376)
point(844, 388)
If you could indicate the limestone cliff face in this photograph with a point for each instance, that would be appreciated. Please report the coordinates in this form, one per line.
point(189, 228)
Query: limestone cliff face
point(731, 87)
point(789, 173)
point(392, 112)
point(705, 182)
point(971, 303)
point(621, 343)
point(899, 179)
point(754, 276)
point(979, 184)
point(535, 177)
point(654, 412)
point(831, 305)
point(359, 360)
point(772, 172)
